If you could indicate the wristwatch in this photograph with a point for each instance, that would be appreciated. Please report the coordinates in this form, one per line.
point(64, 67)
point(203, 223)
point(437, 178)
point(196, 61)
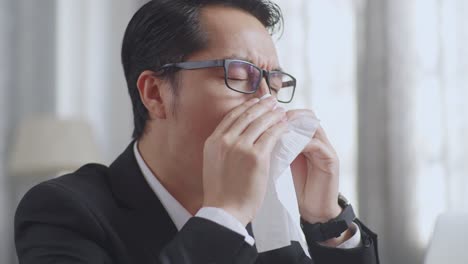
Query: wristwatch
point(319, 232)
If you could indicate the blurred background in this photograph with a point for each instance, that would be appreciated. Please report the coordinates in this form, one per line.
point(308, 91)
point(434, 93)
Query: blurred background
point(388, 79)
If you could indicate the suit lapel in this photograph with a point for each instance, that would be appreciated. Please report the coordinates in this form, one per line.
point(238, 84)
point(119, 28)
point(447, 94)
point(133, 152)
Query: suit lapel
point(144, 224)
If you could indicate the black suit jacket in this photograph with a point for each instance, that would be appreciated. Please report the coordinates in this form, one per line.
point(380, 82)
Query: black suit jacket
point(110, 215)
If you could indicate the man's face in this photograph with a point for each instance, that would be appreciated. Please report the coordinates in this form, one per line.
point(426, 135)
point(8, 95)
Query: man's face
point(204, 99)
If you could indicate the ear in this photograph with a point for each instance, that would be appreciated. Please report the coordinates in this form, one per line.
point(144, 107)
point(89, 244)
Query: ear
point(153, 94)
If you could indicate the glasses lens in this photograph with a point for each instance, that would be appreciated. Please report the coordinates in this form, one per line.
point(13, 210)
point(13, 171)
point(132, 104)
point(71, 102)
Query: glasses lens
point(282, 85)
point(243, 77)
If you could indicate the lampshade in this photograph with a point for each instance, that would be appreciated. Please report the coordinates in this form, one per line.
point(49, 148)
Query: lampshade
point(48, 146)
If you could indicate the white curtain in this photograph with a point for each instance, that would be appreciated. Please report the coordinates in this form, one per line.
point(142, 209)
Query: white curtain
point(5, 81)
point(26, 87)
point(90, 83)
point(60, 57)
point(388, 80)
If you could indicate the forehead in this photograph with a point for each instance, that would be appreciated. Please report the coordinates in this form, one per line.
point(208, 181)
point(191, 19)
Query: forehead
point(235, 33)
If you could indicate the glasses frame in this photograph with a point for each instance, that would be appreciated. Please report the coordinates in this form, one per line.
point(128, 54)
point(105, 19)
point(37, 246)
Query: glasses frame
point(194, 65)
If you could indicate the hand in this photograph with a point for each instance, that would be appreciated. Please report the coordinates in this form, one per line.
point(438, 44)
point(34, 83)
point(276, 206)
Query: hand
point(316, 179)
point(236, 158)
point(316, 176)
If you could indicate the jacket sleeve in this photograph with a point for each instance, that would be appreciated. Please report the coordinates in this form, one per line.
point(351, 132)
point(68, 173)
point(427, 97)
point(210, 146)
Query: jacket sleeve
point(203, 241)
point(54, 226)
point(365, 254)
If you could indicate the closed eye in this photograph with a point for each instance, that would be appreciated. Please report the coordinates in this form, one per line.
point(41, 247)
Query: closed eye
point(237, 79)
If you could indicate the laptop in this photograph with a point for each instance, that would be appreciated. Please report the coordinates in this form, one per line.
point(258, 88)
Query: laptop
point(449, 243)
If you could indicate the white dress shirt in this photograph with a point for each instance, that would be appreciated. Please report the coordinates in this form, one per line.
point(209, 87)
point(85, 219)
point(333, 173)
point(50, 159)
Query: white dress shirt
point(180, 216)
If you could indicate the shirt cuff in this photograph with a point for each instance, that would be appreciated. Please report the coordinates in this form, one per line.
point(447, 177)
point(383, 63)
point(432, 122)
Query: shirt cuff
point(225, 219)
point(354, 241)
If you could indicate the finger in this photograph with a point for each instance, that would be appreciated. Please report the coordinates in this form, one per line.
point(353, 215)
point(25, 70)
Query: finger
point(268, 139)
point(261, 124)
point(297, 113)
point(299, 173)
point(321, 135)
point(232, 116)
point(318, 148)
point(322, 157)
point(250, 115)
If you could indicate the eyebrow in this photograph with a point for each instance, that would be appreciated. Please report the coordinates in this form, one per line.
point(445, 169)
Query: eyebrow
point(238, 57)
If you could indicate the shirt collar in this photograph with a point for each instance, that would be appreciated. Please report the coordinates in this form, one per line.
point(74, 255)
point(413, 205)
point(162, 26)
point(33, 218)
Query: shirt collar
point(178, 214)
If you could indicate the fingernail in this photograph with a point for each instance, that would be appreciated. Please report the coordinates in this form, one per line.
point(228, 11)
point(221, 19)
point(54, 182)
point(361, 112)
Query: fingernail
point(265, 96)
point(255, 100)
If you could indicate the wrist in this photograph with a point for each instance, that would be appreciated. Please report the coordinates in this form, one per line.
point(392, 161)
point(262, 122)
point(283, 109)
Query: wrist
point(241, 217)
point(233, 211)
point(330, 231)
point(321, 216)
point(335, 242)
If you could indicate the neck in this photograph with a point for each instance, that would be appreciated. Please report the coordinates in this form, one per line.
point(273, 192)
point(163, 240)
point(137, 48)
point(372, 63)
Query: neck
point(170, 171)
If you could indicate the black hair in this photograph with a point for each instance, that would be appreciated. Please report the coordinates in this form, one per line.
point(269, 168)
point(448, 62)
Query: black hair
point(168, 31)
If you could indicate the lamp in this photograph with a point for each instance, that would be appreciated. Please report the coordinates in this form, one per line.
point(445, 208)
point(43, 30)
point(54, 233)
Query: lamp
point(49, 146)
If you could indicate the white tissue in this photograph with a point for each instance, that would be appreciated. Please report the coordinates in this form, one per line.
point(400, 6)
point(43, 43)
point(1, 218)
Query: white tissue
point(273, 226)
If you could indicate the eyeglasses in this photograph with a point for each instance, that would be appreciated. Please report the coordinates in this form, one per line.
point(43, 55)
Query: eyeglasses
point(245, 77)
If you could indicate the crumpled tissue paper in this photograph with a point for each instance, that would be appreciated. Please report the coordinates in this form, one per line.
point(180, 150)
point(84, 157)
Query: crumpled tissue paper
point(274, 226)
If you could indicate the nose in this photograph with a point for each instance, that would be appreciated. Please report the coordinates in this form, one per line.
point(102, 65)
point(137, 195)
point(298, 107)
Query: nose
point(262, 89)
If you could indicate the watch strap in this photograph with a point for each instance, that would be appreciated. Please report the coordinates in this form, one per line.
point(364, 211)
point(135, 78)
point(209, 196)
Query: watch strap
point(320, 232)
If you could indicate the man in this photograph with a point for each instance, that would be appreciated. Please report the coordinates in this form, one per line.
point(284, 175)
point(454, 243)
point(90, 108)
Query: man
point(187, 188)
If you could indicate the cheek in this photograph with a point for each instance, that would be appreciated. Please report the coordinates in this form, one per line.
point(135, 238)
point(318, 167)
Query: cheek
point(202, 117)
point(204, 105)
